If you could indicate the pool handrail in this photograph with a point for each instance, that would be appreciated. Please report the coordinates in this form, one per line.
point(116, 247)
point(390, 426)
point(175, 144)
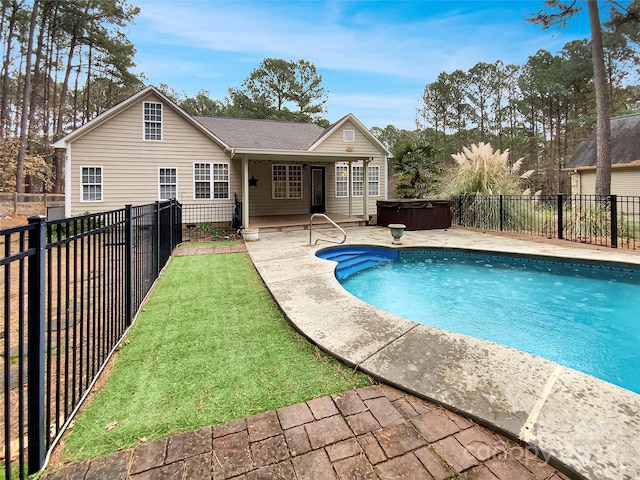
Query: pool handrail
point(344, 237)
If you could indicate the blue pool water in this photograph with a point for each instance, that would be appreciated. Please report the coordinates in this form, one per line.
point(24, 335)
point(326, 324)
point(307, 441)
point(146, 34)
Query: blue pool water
point(584, 316)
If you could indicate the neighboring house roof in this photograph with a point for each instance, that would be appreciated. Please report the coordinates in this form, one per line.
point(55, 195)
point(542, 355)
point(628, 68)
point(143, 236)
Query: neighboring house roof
point(262, 134)
point(625, 145)
point(103, 117)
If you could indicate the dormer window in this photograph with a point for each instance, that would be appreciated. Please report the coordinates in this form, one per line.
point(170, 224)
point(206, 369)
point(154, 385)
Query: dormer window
point(152, 121)
point(349, 136)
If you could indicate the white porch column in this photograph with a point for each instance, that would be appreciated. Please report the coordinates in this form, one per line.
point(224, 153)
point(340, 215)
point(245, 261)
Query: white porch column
point(350, 189)
point(245, 191)
point(365, 189)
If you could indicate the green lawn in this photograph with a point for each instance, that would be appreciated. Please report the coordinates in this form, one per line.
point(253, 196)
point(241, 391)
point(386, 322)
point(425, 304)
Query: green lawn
point(210, 345)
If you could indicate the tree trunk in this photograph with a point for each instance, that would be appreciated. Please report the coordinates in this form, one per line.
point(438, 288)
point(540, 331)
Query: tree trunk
point(26, 102)
point(603, 150)
point(4, 94)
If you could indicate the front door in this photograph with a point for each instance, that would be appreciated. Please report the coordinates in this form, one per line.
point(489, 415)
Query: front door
point(317, 189)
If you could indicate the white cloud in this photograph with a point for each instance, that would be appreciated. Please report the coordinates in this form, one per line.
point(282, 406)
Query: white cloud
point(375, 60)
point(369, 43)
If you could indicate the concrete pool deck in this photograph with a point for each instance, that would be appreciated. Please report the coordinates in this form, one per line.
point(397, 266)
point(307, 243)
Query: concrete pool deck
point(585, 425)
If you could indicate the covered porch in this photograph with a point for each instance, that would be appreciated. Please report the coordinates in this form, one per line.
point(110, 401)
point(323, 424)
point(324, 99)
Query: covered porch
point(313, 180)
point(284, 223)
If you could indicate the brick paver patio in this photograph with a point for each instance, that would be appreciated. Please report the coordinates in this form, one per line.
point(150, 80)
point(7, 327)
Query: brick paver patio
point(375, 432)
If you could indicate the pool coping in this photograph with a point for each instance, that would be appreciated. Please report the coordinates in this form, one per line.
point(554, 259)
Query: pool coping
point(581, 424)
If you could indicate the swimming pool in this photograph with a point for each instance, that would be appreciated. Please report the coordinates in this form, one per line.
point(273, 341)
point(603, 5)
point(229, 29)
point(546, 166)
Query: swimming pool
point(582, 315)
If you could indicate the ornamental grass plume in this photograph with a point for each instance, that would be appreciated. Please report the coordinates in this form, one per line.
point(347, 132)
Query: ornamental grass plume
point(483, 171)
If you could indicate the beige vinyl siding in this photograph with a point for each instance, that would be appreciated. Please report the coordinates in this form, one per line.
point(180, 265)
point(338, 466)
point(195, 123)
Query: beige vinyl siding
point(587, 183)
point(261, 201)
point(624, 182)
point(130, 164)
point(361, 145)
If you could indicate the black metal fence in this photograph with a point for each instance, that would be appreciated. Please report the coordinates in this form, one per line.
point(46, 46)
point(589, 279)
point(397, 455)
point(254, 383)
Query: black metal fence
point(211, 221)
point(612, 220)
point(70, 290)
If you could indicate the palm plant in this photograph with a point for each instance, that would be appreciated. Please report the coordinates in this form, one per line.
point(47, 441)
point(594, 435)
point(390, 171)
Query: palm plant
point(416, 170)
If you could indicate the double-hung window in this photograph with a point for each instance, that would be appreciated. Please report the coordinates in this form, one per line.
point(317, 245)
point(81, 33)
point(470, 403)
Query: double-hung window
point(374, 181)
point(342, 180)
point(287, 181)
point(91, 184)
point(167, 183)
point(152, 121)
point(211, 180)
point(220, 180)
point(357, 180)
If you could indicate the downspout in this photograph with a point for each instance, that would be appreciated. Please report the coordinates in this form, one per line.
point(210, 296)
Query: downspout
point(245, 191)
point(350, 188)
point(67, 182)
point(365, 189)
point(386, 177)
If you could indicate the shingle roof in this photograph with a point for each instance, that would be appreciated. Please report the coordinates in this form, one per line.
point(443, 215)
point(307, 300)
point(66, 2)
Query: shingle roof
point(625, 144)
point(262, 134)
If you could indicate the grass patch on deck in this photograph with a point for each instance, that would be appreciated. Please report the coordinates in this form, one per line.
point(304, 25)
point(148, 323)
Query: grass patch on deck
point(209, 346)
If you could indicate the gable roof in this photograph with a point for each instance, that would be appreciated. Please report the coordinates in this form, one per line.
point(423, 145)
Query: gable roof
point(625, 145)
point(262, 134)
point(239, 133)
point(103, 117)
point(363, 130)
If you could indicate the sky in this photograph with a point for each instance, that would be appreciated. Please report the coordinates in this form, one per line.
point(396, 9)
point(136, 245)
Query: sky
point(375, 57)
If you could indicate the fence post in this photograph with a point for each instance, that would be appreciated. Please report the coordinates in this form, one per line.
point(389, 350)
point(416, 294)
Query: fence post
point(459, 210)
point(501, 214)
point(171, 223)
point(560, 216)
point(614, 221)
point(157, 238)
point(35, 344)
point(128, 268)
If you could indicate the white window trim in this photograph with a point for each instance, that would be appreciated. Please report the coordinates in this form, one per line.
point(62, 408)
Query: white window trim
point(347, 181)
point(288, 193)
point(227, 181)
point(352, 181)
point(144, 121)
point(82, 200)
point(371, 167)
point(212, 181)
point(348, 136)
point(195, 181)
point(159, 184)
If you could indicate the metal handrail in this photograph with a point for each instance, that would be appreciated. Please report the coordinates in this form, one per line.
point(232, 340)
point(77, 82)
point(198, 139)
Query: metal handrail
point(330, 221)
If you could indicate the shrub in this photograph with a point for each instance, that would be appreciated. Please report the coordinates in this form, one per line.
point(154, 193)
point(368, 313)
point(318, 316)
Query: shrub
point(482, 171)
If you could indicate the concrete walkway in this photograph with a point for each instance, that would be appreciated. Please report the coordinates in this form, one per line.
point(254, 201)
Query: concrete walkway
point(584, 424)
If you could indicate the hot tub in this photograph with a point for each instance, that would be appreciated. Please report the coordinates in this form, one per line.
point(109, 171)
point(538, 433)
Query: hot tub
point(416, 214)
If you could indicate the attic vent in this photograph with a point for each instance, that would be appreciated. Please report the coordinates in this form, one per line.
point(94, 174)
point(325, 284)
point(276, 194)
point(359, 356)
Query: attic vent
point(348, 135)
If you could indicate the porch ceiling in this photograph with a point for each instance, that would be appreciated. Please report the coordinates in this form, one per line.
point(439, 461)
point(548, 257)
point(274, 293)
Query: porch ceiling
point(298, 156)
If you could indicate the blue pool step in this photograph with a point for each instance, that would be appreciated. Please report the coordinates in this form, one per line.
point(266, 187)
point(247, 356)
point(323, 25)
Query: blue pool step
point(352, 260)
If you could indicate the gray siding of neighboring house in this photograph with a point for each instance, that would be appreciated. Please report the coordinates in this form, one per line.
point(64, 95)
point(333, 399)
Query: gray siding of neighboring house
point(130, 164)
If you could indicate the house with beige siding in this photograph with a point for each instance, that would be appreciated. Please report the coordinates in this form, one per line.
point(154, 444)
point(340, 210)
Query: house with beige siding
point(625, 160)
point(147, 149)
